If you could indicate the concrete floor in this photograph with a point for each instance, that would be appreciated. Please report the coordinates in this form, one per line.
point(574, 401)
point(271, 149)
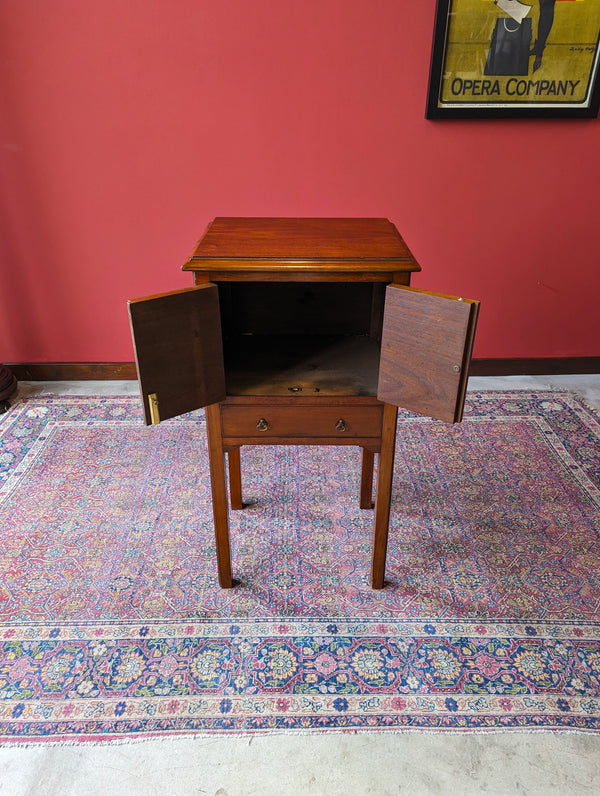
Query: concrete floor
point(384, 764)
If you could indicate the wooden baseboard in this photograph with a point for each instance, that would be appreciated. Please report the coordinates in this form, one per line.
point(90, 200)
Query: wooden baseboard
point(543, 366)
point(73, 371)
point(108, 371)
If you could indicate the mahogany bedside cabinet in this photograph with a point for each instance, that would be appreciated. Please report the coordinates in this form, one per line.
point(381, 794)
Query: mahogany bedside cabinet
point(302, 331)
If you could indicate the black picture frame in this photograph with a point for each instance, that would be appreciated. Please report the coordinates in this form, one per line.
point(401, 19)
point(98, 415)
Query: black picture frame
point(474, 41)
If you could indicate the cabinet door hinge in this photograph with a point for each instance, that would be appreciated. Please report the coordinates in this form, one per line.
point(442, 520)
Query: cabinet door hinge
point(154, 413)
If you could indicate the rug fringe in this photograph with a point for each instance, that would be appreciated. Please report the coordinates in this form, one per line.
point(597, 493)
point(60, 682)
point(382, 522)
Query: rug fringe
point(251, 735)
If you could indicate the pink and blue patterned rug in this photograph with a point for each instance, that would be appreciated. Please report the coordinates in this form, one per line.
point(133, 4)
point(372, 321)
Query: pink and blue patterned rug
point(112, 624)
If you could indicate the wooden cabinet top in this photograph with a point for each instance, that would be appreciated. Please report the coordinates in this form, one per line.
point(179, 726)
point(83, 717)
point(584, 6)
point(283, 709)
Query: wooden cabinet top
point(355, 247)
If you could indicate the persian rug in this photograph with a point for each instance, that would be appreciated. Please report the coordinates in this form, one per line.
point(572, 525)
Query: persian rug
point(112, 624)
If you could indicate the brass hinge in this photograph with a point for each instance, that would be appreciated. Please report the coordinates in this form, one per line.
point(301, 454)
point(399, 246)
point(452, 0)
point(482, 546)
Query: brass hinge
point(154, 413)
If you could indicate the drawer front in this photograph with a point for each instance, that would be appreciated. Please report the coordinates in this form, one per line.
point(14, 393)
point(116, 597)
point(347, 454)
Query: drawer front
point(309, 421)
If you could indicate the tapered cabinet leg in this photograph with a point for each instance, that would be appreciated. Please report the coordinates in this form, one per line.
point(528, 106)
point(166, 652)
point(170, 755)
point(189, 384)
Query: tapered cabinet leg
point(235, 478)
point(218, 481)
point(366, 479)
point(384, 493)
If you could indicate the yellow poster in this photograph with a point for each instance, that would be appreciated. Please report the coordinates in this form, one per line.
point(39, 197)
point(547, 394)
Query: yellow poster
point(515, 54)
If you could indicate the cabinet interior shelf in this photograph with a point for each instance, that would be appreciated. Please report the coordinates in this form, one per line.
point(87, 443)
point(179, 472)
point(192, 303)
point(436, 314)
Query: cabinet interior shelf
point(306, 365)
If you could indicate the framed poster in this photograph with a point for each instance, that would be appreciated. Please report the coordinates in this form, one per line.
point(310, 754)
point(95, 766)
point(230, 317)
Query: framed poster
point(515, 58)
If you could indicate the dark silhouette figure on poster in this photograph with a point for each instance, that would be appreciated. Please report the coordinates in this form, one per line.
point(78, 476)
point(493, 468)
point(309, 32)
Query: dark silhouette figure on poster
point(545, 22)
point(510, 47)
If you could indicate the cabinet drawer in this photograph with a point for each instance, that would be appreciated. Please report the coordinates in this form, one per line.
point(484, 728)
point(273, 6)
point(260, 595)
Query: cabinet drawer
point(302, 421)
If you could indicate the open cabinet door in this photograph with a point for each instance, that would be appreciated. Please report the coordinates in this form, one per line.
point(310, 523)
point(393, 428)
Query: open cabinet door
point(178, 351)
point(425, 351)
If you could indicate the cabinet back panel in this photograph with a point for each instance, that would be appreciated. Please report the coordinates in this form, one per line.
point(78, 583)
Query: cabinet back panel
point(297, 308)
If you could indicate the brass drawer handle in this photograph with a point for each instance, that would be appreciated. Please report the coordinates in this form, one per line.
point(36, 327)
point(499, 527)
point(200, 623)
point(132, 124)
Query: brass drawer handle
point(262, 425)
point(340, 425)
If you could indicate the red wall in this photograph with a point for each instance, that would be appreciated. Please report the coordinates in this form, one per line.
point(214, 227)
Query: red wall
point(128, 124)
